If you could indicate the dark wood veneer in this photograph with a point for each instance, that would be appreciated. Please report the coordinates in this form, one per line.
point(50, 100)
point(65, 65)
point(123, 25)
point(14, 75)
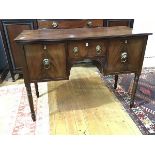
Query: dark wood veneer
point(11, 28)
point(69, 23)
point(75, 34)
point(119, 22)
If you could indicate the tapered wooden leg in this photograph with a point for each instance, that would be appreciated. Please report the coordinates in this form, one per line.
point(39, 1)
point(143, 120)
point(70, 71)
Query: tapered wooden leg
point(135, 84)
point(116, 80)
point(36, 87)
point(29, 94)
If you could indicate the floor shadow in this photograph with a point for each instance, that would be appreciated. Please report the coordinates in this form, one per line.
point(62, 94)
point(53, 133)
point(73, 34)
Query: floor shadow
point(78, 94)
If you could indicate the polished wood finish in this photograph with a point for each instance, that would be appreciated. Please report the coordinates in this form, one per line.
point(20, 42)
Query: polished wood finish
point(27, 84)
point(15, 49)
point(35, 54)
point(82, 49)
point(75, 23)
point(36, 87)
point(31, 36)
point(134, 88)
point(87, 49)
point(115, 48)
point(11, 29)
point(69, 23)
point(116, 80)
point(134, 49)
point(119, 22)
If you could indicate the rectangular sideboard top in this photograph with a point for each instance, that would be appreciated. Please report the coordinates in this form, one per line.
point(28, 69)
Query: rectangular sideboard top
point(28, 36)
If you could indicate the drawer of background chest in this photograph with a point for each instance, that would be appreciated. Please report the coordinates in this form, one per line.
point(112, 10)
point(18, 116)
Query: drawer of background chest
point(72, 23)
point(46, 61)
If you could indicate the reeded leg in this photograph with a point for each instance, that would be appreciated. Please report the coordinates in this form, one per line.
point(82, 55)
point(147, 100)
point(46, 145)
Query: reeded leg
point(135, 84)
point(36, 87)
point(29, 94)
point(116, 80)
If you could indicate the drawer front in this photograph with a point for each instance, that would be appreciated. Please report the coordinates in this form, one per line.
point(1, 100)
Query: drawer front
point(119, 22)
point(87, 48)
point(46, 61)
point(77, 49)
point(66, 24)
point(125, 55)
point(97, 48)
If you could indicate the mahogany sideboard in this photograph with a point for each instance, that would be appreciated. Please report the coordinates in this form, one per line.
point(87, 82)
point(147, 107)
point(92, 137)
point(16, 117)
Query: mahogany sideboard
point(116, 50)
point(12, 27)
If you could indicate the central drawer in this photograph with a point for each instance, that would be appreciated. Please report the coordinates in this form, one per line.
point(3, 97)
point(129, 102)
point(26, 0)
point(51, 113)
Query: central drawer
point(87, 48)
point(46, 61)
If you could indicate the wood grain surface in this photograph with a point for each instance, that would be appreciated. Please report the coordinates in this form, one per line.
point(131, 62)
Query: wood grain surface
point(85, 106)
point(74, 34)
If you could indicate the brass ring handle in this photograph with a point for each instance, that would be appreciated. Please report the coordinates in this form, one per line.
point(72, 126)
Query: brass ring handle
point(75, 51)
point(98, 49)
point(89, 23)
point(124, 57)
point(54, 24)
point(46, 63)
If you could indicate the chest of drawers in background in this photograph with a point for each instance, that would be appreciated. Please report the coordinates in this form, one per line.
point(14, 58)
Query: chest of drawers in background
point(66, 24)
point(3, 59)
point(11, 28)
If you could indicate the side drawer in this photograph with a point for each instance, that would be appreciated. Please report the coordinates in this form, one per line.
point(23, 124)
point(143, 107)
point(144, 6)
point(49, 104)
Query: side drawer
point(72, 23)
point(125, 55)
point(46, 61)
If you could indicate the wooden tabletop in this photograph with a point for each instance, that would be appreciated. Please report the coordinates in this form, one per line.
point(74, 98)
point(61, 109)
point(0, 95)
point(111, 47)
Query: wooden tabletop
point(28, 36)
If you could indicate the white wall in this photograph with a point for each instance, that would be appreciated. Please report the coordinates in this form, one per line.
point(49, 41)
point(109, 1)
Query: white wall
point(147, 25)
